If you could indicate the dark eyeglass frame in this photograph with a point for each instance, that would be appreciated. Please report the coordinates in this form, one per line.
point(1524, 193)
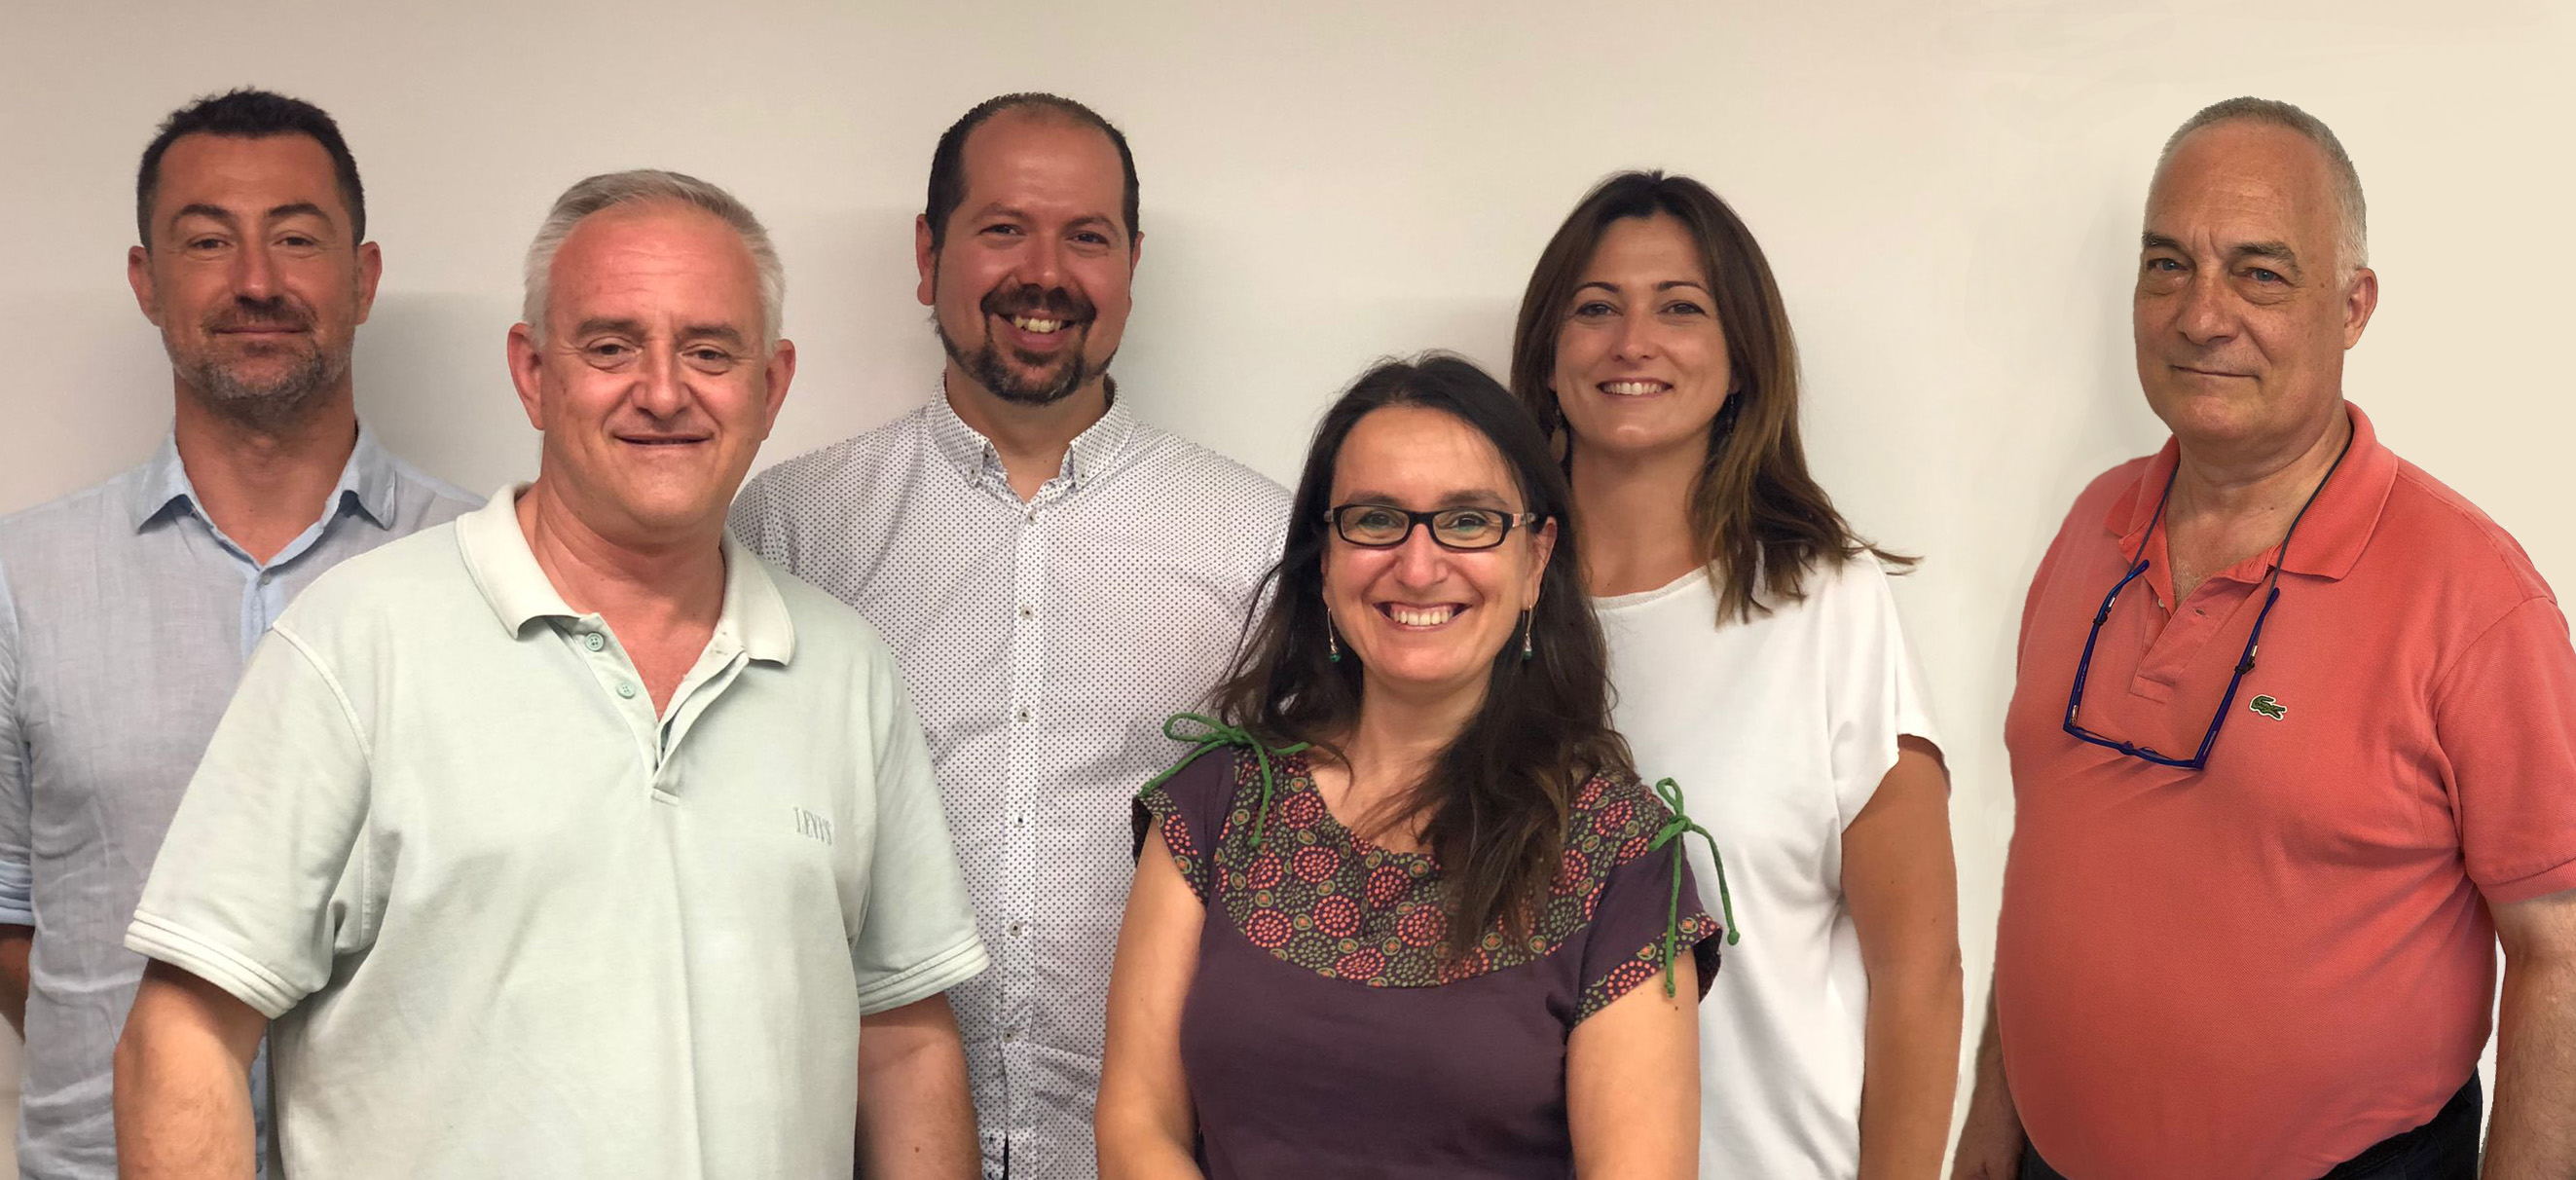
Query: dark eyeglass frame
point(2244, 663)
point(1427, 521)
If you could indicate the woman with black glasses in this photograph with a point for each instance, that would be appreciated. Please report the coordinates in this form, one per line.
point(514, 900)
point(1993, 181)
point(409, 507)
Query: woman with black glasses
point(1406, 911)
point(1760, 662)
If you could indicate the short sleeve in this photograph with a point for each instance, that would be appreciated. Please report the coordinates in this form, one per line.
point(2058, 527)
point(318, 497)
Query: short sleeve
point(1624, 945)
point(258, 886)
point(1190, 806)
point(917, 938)
point(1875, 690)
point(2505, 715)
point(17, 788)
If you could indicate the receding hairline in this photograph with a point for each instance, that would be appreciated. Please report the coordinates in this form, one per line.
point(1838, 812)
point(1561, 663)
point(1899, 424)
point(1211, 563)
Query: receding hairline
point(2341, 178)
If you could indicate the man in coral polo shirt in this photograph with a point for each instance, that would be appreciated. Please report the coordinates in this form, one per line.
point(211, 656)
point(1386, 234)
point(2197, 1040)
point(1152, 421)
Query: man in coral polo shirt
point(2293, 745)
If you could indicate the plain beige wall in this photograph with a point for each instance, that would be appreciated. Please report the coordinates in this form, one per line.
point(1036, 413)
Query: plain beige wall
point(1949, 193)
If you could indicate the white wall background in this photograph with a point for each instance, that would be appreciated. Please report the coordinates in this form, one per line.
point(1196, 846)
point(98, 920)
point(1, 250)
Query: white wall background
point(1949, 193)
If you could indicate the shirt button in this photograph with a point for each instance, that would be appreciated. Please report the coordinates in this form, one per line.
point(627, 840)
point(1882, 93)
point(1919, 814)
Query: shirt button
point(1019, 821)
point(1032, 515)
point(594, 641)
point(1018, 929)
point(266, 577)
point(626, 690)
point(1023, 714)
point(1027, 613)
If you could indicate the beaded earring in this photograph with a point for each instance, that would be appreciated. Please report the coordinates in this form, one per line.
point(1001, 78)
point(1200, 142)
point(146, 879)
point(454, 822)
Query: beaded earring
point(1332, 642)
point(1527, 651)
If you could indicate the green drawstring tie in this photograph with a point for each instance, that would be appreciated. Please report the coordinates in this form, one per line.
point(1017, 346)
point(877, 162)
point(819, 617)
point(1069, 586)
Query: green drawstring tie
point(1672, 832)
point(1212, 734)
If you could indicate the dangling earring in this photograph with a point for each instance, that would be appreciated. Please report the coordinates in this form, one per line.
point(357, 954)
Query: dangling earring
point(1527, 650)
point(1332, 642)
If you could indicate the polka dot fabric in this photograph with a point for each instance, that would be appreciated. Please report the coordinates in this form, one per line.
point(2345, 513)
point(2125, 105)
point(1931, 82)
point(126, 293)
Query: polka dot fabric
point(1043, 644)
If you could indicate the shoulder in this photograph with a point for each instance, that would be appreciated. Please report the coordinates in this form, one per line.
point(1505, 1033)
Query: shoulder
point(825, 625)
point(1618, 814)
point(2446, 534)
point(406, 586)
point(421, 499)
point(75, 519)
point(849, 463)
point(1188, 467)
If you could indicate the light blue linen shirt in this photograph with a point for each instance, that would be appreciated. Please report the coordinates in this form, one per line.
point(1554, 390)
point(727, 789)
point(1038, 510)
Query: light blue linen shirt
point(125, 619)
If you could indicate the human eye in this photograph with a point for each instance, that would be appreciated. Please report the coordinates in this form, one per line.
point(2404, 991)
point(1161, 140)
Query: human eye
point(1473, 525)
point(1374, 523)
point(608, 353)
point(1594, 309)
point(1001, 229)
point(2264, 275)
point(1684, 307)
point(708, 358)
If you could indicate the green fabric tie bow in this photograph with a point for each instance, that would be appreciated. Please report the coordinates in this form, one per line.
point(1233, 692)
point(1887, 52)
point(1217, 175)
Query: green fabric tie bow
point(1211, 734)
point(1674, 829)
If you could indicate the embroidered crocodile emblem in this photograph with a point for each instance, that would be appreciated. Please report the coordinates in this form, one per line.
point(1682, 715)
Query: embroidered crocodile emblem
point(2268, 707)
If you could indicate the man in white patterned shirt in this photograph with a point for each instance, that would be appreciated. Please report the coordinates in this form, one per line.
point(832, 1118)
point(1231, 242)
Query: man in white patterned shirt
point(1055, 576)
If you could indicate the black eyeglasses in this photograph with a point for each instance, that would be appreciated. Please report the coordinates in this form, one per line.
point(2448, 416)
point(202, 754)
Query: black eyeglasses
point(1384, 526)
point(2244, 663)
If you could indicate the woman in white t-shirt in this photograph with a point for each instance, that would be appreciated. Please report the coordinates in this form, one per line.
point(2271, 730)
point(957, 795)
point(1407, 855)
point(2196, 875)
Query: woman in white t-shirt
point(1759, 662)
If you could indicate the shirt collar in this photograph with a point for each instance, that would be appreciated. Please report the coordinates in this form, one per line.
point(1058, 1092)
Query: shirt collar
point(366, 482)
point(1092, 453)
point(2332, 534)
point(505, 569)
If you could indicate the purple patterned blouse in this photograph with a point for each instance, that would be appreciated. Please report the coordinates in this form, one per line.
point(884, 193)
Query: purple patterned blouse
point(1325, 1035)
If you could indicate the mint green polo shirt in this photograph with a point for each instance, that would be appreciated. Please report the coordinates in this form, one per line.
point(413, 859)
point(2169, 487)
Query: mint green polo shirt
point(510, 922)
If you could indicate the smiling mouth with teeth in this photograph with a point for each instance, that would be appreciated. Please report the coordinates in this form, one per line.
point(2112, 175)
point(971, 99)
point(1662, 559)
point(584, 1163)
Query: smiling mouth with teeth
point(1412, 617)
point(1633, 388)
point(1039, 326)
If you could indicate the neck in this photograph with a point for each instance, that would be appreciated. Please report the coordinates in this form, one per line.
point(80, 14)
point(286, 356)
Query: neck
point(2259, 480)
point(264, 484)
point(1031, 440)
point(651, 588)
point(1398, 735)
point(1635, 514)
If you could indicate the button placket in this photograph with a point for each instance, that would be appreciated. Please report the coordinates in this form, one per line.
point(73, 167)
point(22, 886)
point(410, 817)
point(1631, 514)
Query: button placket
point(1027, 667)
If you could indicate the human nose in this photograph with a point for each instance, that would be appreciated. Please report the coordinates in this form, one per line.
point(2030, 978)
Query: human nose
point(1636, 340)
point(254, 276)
point(1042, 265)
point(659, 387)
point(1419, 560)
point(2208, 311)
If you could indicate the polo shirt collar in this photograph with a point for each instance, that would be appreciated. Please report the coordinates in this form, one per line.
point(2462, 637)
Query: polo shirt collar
point(1093, 452)
point(2330, 537)
point(366, 483)
point(754, 615)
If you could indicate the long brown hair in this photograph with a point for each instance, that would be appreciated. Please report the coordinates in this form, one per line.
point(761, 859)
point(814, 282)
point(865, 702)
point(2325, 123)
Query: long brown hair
point(1763, 522)
point(1493, 805)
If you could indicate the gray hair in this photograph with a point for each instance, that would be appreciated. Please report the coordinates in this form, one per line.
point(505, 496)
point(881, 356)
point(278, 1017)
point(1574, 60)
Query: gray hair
point(613, 190)
point(2353, 239)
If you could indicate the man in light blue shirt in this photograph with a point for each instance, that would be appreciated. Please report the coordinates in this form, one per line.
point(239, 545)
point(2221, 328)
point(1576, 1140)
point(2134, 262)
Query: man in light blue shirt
point(127, 609)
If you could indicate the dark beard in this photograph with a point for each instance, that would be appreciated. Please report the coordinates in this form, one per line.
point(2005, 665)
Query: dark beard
point(988, 369)
point(267, 406)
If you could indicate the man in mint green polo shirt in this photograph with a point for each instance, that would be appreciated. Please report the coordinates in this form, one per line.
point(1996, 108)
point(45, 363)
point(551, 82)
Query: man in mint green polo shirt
point(571, 839)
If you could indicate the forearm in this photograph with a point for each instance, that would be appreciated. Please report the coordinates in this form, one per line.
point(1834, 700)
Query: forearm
point(1991, 1143)
point(1911, 1070)
point(15, 944)
point(2533, 1133)
point(1136, 1147)
point(916, 1121)
point(182, 1093)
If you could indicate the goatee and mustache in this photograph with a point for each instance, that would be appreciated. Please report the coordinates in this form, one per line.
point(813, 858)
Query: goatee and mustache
point(262, 403)
point(1055, 378)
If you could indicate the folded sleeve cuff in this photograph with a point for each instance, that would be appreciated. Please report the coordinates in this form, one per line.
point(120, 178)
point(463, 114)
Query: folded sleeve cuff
point(238, 974)
point(17, 894)
point(963, 960)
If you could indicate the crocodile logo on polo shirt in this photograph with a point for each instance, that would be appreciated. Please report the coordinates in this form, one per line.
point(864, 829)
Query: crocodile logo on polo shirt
point(2268, 707)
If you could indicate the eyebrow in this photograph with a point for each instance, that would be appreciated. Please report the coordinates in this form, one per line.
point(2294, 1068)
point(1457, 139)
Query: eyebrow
point(1666, 285)
point(613, 325)
point(1466, 498)
point(2276, 251)
point(275, 213)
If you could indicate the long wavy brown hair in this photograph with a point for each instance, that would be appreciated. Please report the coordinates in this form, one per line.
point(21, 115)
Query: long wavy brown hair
point(1493, 806)
point(1763, 522)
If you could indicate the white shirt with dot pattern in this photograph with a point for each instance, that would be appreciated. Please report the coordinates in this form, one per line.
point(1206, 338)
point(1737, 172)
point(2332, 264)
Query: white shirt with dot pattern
point(1044, 643)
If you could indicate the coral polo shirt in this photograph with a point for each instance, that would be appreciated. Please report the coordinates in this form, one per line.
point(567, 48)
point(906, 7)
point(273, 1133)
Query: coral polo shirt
point(2262, 968)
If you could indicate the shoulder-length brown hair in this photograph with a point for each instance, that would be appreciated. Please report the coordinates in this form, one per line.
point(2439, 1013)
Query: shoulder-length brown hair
point(1493, 806)
point(1763, 522)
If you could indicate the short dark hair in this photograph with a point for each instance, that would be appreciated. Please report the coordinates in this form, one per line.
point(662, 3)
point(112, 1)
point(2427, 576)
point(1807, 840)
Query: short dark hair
point(948, 160)
point(247, 113)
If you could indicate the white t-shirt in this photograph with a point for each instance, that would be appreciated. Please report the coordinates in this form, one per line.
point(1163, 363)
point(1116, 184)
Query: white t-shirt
point(1778, 731)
